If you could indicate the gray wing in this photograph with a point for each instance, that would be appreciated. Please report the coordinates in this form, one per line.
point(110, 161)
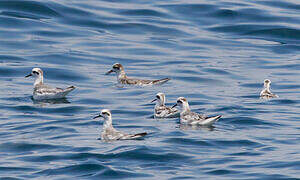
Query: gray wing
point(197, 116)
point(267, 94)
point(112, 134)
point(135, 81)
point(164, 111)
point(160, 109)
point(193, 118)
point(171, 110)
point(44, 89)
point(142, 81)
point(200, 119)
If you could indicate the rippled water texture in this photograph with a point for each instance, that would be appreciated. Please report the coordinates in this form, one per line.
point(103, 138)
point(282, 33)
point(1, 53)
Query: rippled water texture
point(217, 54)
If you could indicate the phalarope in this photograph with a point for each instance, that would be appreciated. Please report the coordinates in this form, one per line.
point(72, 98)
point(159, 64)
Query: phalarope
point(109, 133)
point(192, 118)
point(123, 79)
point(42, 91)
point(161, 110)
point(266, 92)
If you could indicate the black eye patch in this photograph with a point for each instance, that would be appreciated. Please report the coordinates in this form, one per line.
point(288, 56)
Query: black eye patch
point(34, 72)
point(157, 97)
point(105, 113)
point(116, 67)
point(178, 101)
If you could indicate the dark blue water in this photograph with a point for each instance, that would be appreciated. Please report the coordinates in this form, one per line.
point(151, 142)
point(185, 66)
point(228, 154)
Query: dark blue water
point(217, 53)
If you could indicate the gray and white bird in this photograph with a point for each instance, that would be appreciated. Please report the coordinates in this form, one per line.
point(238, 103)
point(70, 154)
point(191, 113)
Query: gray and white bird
point(42, 91)
point(192, 118)
point(124, 79)
point(266, 92)
point(109, 133)
point(161, 110)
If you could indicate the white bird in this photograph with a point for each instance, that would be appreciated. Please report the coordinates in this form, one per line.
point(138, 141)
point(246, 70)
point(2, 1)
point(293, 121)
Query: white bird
point(42, 91)
point(124, 79)
point(161, 110)
point(192, 118)
point(109, 133)
point(266, 92)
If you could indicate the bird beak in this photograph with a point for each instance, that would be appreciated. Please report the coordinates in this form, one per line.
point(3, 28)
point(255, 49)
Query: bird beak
point(174, 105)
point(153, 100)
point(108, 72)
point(97, 116)
point(28, 75)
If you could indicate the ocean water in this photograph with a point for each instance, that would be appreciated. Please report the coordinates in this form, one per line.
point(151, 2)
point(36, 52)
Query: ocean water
point(217, 54)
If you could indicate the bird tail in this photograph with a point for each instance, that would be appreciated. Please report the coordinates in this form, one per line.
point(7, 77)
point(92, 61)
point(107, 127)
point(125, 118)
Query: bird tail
point(161, 81)
point(68, 90)
point(139, 135)
point(211, 120)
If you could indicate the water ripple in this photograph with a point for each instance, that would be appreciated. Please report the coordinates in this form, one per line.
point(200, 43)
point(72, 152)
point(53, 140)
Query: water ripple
point(217, 54)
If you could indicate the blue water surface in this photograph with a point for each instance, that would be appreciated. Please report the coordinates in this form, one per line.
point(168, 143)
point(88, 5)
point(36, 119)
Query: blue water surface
point(217, 54)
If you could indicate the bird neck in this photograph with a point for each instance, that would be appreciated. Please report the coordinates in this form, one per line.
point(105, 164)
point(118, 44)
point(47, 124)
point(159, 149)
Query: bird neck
point(185, 107)
point(121, 74)
point(39, 81)
point(107, 123)
point(267, 87)
point(160, 103)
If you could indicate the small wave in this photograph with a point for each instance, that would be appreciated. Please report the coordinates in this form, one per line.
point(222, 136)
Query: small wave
point(31, 7)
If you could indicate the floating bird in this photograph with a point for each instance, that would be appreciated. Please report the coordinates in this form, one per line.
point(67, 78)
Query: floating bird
point(109, 133)
point(161, 110)
point(266, 92)
point(42, 91)
point(192, 118)
point(123, 79)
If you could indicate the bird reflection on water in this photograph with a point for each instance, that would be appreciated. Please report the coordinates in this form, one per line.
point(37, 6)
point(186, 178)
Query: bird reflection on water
point(47, 102)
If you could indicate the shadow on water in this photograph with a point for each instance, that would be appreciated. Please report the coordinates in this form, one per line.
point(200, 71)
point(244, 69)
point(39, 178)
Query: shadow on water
point(46, 102)
point(186, 127)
